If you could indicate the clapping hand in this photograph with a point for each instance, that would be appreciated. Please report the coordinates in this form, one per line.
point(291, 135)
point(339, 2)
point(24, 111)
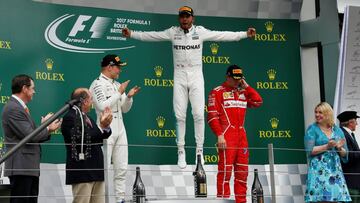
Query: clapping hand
point(105, 118)
point(123, 86)
point(43, 119)
point(54, 125)
point(133, 91)
point(332, 143)
point(340, 143)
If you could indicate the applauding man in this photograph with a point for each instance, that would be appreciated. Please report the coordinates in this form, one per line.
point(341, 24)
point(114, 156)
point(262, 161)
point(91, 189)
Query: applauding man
point(107, 92)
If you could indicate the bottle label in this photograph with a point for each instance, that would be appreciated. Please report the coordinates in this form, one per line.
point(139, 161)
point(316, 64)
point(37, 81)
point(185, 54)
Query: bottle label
point(203, 190)
point(256, 198)
point(253, 196)
point(137, 199)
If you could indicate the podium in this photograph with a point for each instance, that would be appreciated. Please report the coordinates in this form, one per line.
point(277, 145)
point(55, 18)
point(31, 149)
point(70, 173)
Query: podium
point(197, 200)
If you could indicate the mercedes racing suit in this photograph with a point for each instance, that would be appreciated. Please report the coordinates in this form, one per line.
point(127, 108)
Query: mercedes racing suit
point(188, 75)
point(105, 94)
point(226, 116)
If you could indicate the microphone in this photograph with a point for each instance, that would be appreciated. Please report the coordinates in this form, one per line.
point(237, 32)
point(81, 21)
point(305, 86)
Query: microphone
point(73, 102)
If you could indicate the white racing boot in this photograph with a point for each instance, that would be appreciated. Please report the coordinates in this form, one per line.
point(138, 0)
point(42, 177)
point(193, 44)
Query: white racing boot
point(181, 158)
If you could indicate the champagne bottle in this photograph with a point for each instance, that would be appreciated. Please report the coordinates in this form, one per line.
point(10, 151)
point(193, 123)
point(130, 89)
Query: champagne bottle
point(257, 194)
point(200, 179)
point(138, 188)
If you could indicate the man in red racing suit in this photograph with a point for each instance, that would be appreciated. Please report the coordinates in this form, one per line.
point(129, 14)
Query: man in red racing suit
point(226, 116)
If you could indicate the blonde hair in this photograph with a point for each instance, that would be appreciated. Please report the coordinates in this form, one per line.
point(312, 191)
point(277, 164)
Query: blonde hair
point(327, 111)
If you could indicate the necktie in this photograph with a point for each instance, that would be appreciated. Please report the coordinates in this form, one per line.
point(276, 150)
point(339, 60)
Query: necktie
point(27, 110)
point(353, 136)
point(88, 121)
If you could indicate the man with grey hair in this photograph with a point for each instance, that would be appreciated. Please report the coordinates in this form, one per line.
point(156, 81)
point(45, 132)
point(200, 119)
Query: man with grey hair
point(351, 169)
point(84, 156)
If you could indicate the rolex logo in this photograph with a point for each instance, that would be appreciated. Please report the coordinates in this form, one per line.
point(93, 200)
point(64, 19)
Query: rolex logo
point(271, 74)
point(160, 121)
point(274, 123)
point(269, 26)
point(49, 63)
point(214, 48)
point(0, 86)
point(158, 71)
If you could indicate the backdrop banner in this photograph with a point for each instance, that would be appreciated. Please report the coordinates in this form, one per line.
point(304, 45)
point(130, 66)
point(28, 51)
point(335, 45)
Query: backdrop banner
point(61, 48)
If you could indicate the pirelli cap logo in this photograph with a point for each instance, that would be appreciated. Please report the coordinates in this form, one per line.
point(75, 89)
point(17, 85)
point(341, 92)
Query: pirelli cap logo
point(160, 121)
point(271, 74)
point(49, 64)
point(158, 71)
point(274, 122)
point(269, 26)
point(214, 48)
point(237, 71)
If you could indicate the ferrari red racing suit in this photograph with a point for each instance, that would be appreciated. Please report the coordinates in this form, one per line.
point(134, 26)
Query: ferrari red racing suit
point(226, 116)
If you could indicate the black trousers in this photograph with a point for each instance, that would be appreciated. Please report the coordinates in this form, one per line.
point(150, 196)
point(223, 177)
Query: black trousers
point(25, 186)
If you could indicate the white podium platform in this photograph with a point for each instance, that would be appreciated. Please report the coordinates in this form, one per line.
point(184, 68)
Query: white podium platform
point(197, 200)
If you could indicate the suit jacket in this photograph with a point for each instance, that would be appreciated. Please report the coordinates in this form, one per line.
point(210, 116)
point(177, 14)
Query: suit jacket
point(92, 167)
point(353, 165)
point(17, 124)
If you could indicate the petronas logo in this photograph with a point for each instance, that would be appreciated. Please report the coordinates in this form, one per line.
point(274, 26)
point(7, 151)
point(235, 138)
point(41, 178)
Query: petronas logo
point(49, 64)
point(160, 121)
point(271, 74)
point(269, 26)
point(158, 71)
point(214, 48)
point(274, 123)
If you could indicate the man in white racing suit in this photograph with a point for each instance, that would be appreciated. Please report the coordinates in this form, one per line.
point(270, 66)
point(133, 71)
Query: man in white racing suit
point(187, 44)
point(107, 92)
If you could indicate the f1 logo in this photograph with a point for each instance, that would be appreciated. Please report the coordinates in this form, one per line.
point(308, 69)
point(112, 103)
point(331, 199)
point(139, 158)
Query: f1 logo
point(97, 28)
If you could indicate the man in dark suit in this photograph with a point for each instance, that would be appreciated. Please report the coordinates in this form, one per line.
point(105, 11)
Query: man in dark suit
point(23, 167)
point(351, 169)
point(84, 156)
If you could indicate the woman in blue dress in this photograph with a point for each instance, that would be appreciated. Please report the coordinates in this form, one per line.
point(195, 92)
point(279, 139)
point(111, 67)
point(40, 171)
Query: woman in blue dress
point(325, 145)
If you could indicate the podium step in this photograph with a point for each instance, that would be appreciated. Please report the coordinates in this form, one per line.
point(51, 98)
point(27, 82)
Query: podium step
point(197, 200)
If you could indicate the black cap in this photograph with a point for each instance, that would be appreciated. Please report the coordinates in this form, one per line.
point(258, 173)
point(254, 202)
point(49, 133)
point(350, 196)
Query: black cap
point(186, 10)
point(235, 72)
point(112, 60)
point(347, 115)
